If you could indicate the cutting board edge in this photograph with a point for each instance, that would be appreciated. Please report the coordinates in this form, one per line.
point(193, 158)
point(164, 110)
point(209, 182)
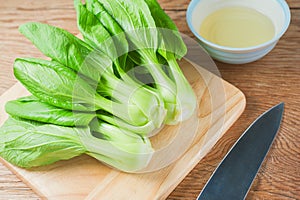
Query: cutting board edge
point(18, 175)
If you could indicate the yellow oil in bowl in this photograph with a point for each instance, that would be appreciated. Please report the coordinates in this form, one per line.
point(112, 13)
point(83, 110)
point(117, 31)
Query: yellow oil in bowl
point(237, 27)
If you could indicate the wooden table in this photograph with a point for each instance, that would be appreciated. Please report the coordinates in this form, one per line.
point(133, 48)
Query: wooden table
point(266, 82)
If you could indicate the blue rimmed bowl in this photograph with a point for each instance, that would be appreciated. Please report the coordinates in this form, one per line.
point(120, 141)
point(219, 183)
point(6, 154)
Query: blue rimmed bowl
point(276, 10)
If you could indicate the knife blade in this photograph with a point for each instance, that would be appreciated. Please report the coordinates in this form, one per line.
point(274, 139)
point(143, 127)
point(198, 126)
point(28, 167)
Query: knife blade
point(233, 177)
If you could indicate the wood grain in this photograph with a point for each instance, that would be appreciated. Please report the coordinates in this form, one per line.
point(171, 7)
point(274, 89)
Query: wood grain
point(266, 82)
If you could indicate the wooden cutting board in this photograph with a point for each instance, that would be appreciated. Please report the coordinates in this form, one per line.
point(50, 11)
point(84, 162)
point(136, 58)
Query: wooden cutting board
point(219, 106)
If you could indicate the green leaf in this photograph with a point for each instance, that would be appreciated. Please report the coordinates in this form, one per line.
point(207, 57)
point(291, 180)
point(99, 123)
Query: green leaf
point(136, 21)
point(65, 48)
point(112, 27)
point(57, 43)
point(170, 38)
point(28, 144)
point(32, 108)
point(94, 32)
point(57, 85)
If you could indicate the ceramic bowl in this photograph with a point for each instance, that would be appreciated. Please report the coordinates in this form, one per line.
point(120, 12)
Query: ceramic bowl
point(276, 10)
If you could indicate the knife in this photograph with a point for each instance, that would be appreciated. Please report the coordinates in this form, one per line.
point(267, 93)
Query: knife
point(234, 175)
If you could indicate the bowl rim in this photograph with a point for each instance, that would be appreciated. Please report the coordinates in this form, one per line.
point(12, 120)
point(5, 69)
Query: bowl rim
point(284, 6)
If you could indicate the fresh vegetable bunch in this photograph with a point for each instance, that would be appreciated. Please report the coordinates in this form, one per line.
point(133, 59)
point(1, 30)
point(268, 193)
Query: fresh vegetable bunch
point(104, 95)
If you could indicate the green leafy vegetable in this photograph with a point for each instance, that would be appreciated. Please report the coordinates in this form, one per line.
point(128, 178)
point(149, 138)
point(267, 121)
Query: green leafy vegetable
point(111, 26)
point(170, 38)
point(171, 48)
point(124, 150)
point(32, 108)
point(65, 48)
point(141, 30)
point(135, 104)
point(56, 85)
point(95, 33)
point(30, 144)
point(61, 87)
point(104, 95)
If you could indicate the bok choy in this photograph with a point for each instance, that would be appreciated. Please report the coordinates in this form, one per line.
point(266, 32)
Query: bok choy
point(151, 31)
point(104, 95)
point(29, 144)
point(135, 104)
